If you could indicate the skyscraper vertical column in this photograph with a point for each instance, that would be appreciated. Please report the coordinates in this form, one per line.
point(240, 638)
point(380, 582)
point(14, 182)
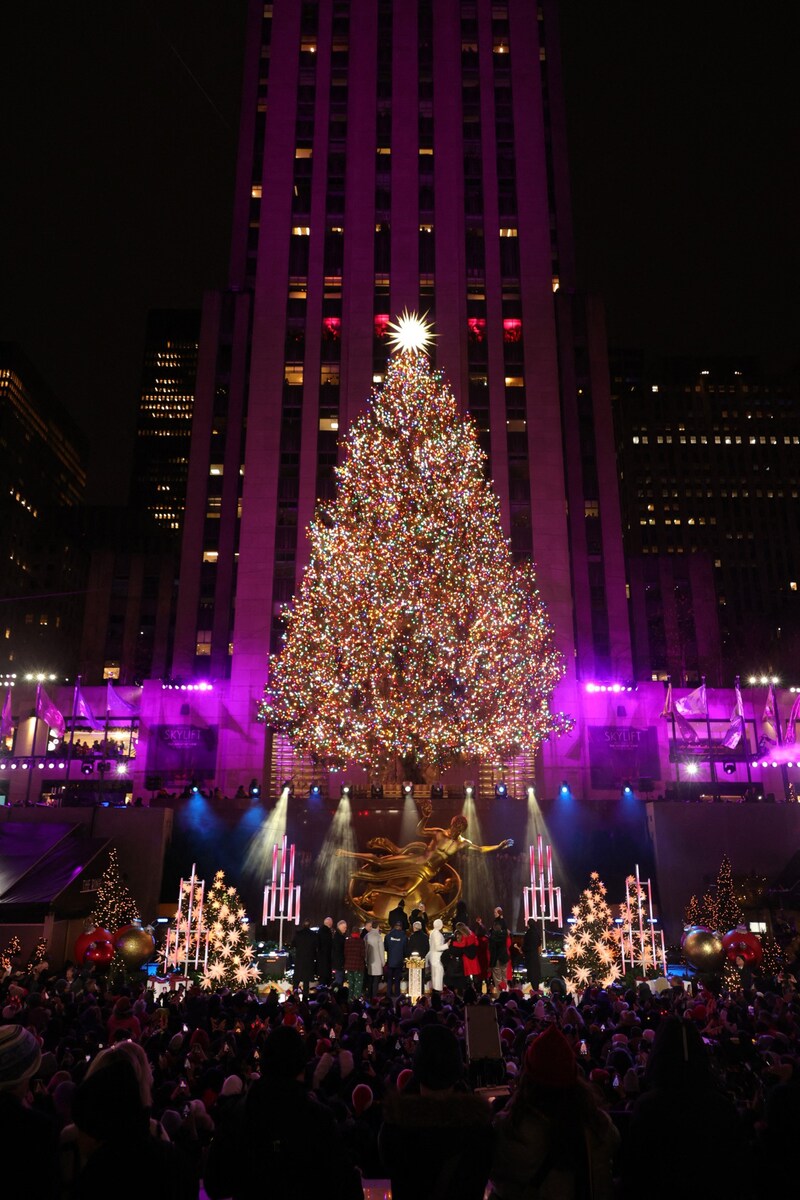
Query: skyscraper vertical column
point(358, 281)
point(405, 159)
point(262, 467)
point(448, 198)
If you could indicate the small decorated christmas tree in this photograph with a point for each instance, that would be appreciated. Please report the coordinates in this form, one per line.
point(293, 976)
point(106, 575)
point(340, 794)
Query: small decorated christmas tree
point(592, 945)
point(39, 953)
point(7, 956)
point(114, 905)
point(230, 953)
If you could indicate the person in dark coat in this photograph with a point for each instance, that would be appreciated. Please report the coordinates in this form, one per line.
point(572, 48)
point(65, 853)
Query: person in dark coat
point(280, 1139)
point(419, 942)
point(681, 1093)
point(419, 914)
point(324, 951)
point(436, 1138)
point(27, 1137)
point(531, 945)
point(305, 957)
point(338, 940)
point(399, 914)
point(395, 944)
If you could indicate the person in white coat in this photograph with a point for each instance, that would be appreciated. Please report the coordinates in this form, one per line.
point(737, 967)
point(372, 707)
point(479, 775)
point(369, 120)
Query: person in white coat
point(375, 956)
point(437, 946)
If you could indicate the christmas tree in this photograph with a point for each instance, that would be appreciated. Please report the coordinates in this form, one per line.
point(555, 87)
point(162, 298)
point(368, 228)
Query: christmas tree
point(415, 640)
point(7, 956)
point(229, 960)
point(114, 905)
point(592, 946)
point(729, 912)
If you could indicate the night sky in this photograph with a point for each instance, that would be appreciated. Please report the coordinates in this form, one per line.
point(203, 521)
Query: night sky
point(118, 149)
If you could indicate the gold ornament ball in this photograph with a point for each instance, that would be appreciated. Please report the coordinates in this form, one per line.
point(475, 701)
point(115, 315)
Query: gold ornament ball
point(134, 945)
point(703, 950)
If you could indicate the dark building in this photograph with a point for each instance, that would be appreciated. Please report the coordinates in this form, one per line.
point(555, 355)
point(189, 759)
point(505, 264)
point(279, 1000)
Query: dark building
point(709, 457)
point(129, 617)
point(43, 562)
point(396, 155)
point(166, 405)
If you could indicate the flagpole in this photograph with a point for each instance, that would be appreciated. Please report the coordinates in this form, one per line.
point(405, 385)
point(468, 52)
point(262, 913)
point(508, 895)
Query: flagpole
point(672, 723)
point(104, 759)
point(711, 759)
point(72, 730)
point(745, 739)
point(784, 769)
point(32, 767)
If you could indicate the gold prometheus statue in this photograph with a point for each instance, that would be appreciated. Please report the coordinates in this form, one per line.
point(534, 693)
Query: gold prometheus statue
point(418, 872)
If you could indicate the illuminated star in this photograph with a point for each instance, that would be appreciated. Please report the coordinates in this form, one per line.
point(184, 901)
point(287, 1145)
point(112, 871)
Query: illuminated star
point(410, 332)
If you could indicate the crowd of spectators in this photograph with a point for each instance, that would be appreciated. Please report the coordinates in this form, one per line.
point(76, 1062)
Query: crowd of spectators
point(108, 1089)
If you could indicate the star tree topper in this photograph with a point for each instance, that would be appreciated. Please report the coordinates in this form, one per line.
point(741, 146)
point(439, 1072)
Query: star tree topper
point(410, 333)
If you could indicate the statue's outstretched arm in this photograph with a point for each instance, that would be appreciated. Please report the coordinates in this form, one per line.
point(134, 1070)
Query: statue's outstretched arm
point(466, 844)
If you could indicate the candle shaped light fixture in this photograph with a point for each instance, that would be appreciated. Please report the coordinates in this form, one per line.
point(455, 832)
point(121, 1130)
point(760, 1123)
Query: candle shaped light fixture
point(639, 946)
point(542, 899)
point(281, 894)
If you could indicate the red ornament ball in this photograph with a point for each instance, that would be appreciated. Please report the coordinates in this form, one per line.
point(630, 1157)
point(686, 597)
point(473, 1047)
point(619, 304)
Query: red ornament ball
point(92, 938)
point(100, 954)
point(741, 943)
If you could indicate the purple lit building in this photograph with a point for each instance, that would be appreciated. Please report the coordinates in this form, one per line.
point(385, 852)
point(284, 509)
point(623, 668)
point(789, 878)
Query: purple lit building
point(394, 155)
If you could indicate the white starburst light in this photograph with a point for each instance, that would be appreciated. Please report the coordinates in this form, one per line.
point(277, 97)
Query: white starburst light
point(410, 332)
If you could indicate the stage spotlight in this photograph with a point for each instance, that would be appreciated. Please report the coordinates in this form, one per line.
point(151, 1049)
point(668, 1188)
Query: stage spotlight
point(195, 788)
point(627, 790)
point(500, 791)
point(314, 791)
point(564, 788)
point(254, 789)
point(408, 789)
point(376, 791)
point(469, 790)
point(122, 768)
point(347, 791)
point(729, 768)
point(86, 768)
point(691, 768)
point(287, 788)
point(437, 791)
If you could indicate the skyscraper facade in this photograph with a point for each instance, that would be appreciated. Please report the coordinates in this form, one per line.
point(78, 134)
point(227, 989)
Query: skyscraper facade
point(166, 406)
point(395, 155)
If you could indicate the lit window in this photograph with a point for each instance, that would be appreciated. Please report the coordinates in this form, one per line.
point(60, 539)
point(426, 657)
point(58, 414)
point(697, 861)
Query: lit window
point(255, 191)
point(508, 233)
point(556, 283)
point(293, 374)
point(301, 230)
point(329, 424)
point(793, 586)
point(308, 45)
point(203, 644)
point(216, 469)
point(111, 670)
point(515, 381)
point(210, 556)
point(591, 508)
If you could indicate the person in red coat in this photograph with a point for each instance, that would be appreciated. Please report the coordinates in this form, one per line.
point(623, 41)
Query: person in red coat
point(483, 950)
point(466, 940)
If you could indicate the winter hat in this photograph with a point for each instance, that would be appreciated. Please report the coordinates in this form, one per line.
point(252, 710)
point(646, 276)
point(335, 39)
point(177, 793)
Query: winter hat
point(284, 1055)
point(403, 1079)
point(232, 1086)
point(362, 1098)
point(549, 1060)
point(437, 924)
point(20, 1055)
point(171, 1122)
point(417, 925)
point(437, 1062)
